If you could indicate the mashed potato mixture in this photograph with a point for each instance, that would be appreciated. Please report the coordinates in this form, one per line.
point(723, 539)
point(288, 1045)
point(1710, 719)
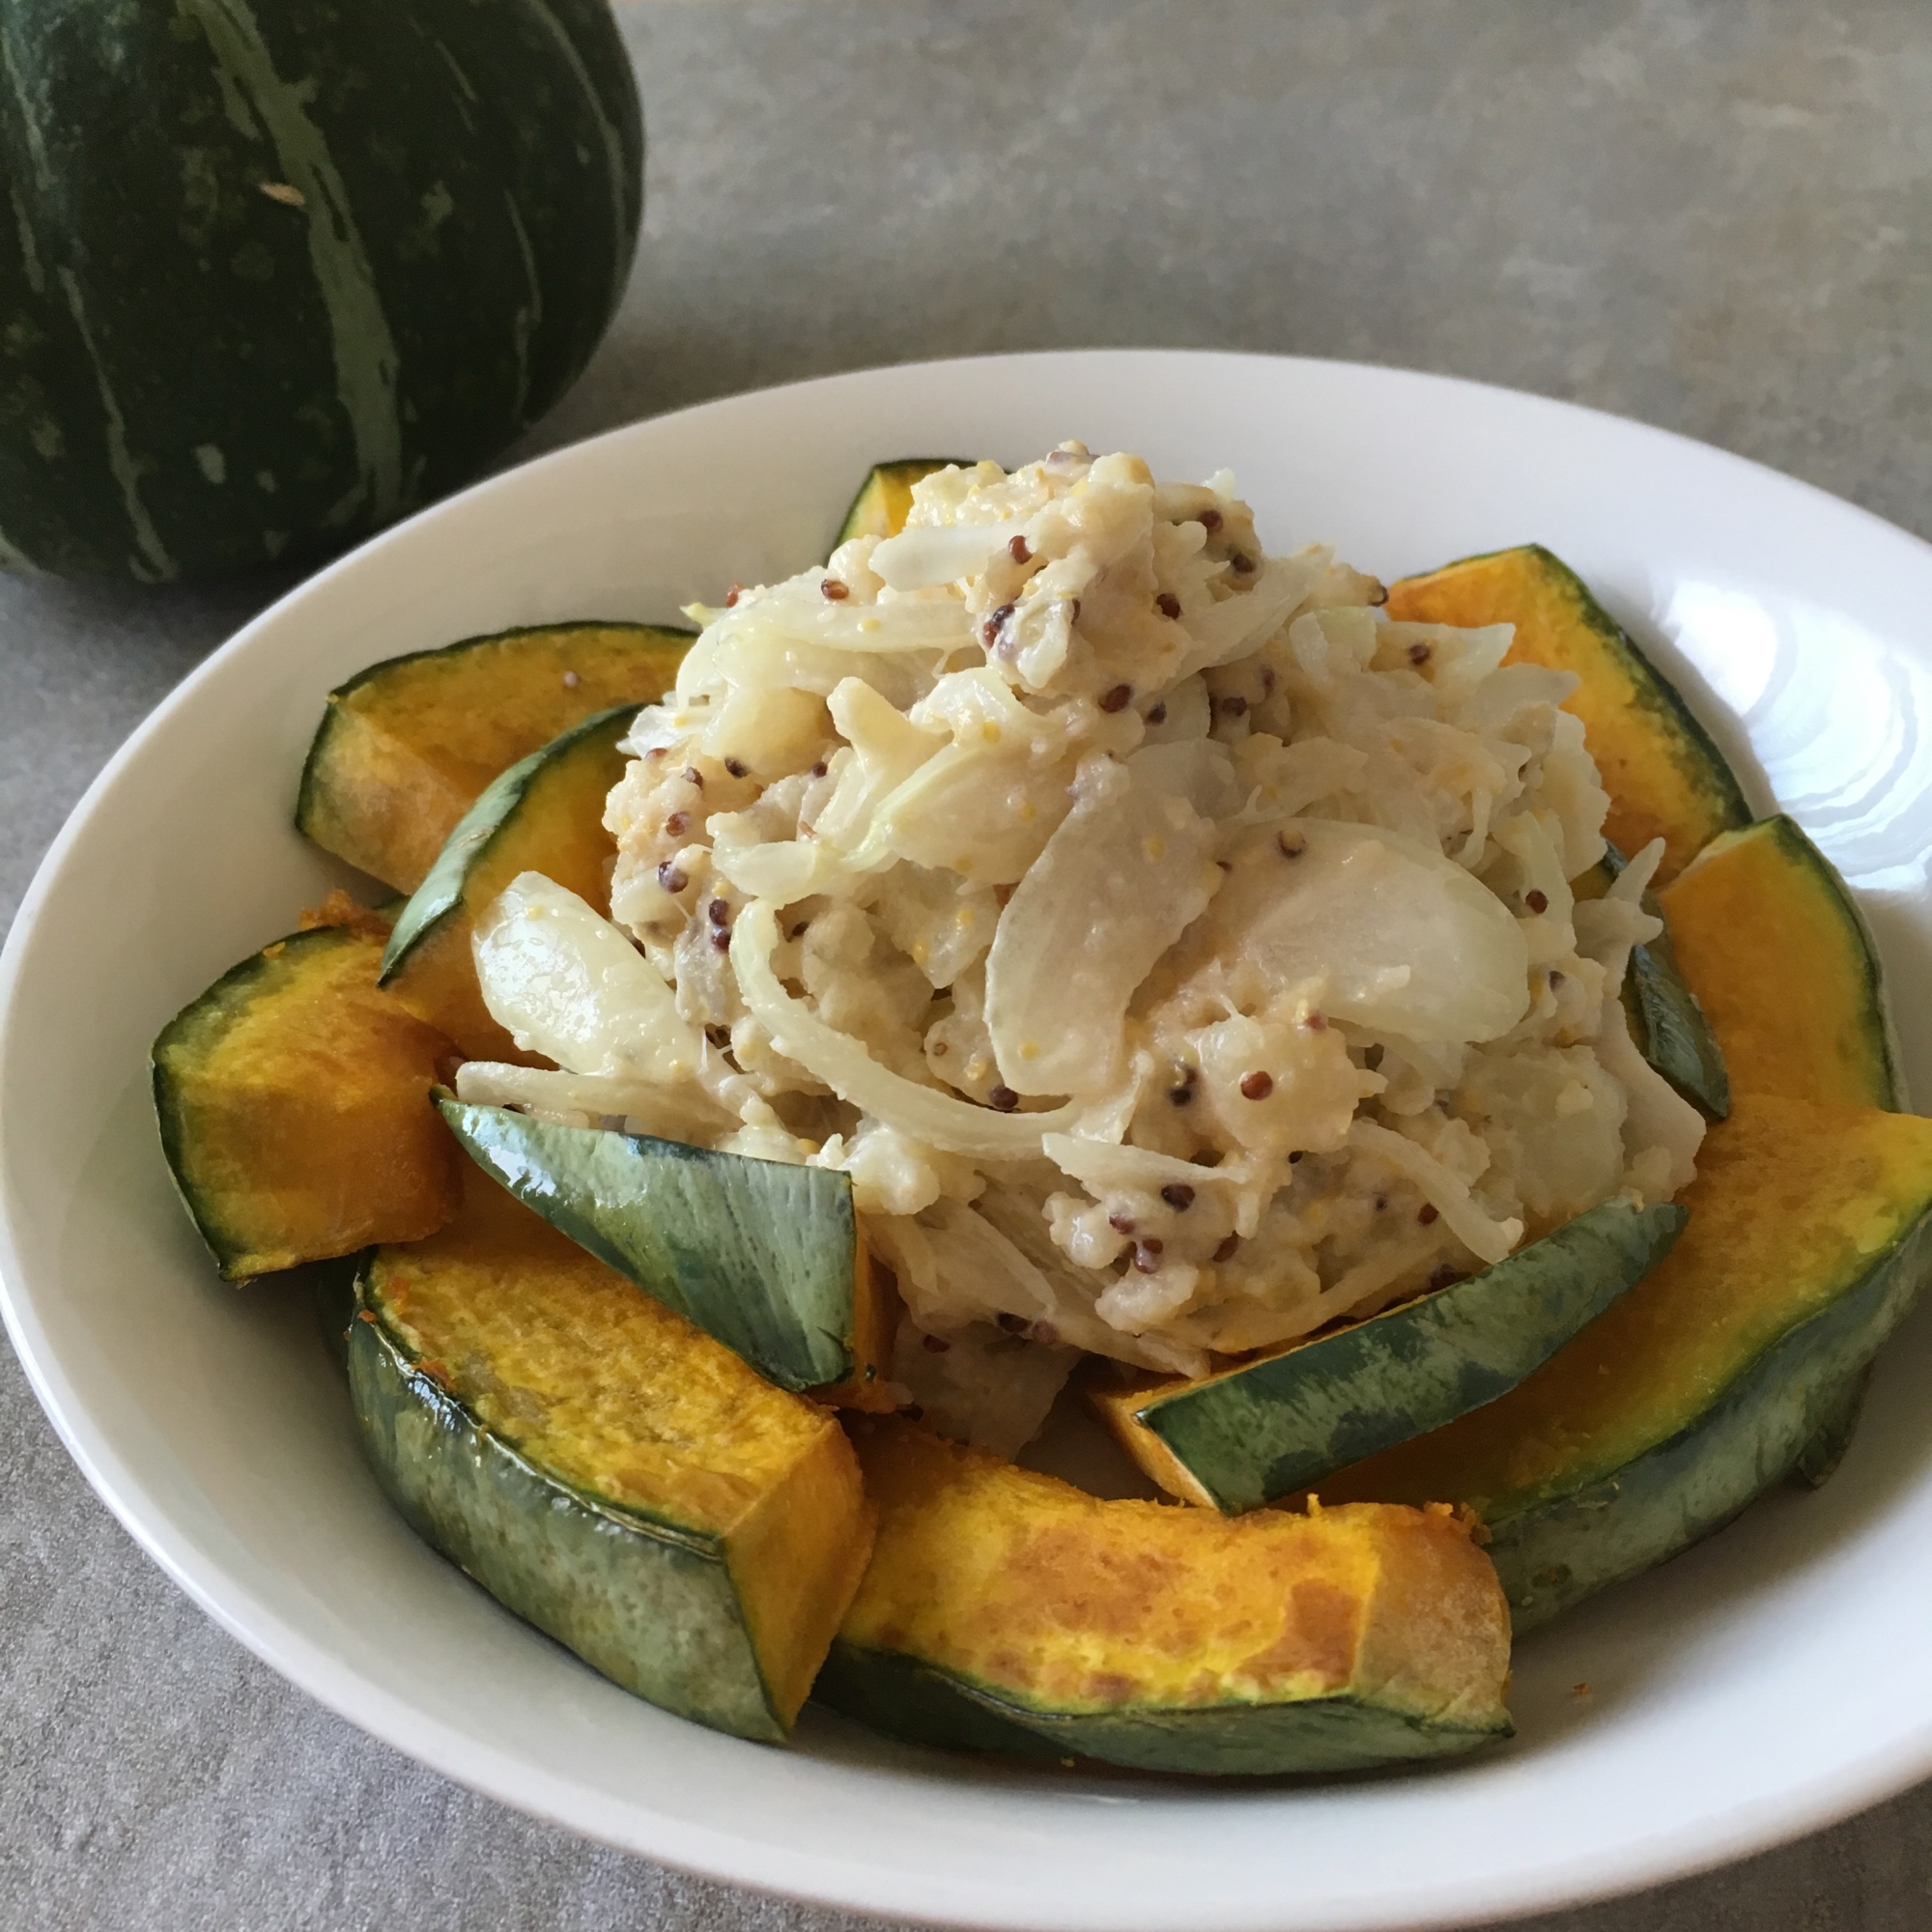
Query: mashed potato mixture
point(1178, 955)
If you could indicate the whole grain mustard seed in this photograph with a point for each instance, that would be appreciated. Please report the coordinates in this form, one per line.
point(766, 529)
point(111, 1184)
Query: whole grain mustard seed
point(720, 938)
point(1121, 1223)
point(679, 824)
point(1168, 604)
point(1178, 1196)
point(1418, 654)
point(1147, 1256)
point(1536, 901)
point(1225, 1251)
point(1118, 699)
point(1256, 1086)
point(1209, 520)
point(996, 622)
point(1240, 563)
point(736, 767)
point(818, 770)
point(672, 877)
point(1004, 1099)
point(1232, 707)
point(1426, 1212)
point(1316, 1023)
point(718, 912)
point(731, 596)
point(1018, 551)
point(1158, 714)
point(693, 776)
point(832, 591)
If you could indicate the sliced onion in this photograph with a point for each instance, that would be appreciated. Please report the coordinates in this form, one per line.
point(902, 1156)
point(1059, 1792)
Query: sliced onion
point(1236, 624)
point(844, 1065)
point(569, 986)
point(1488, 1239)
point(940, 553)
point(1127, 872)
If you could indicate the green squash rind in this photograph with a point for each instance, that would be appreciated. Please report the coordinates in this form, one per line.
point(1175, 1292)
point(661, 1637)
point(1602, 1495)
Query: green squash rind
point(912, 1701)
point(1667, 1023)
point(1285, 1421)
point(1671, 1033)
point(759, 1254)
point(441, 893)
point(650, 1605)
point(271, 277)
point(1557, 1551)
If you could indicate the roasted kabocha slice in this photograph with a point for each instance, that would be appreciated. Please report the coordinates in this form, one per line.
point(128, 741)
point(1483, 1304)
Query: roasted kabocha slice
point(1766, 933)
point(1810, 1234)
point(1665, 777)
point(1008, 1611)
point(293, 1097)
point(764, 1255)
point(544, 814)
point(605, 1470)
point(406, 748)
point(1275, 1425)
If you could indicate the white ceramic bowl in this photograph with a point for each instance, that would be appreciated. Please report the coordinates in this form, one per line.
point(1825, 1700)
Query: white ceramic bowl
point(1771, 1681)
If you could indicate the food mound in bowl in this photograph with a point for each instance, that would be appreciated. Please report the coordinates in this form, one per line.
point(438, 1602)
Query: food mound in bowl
point(1178, 955)
point(1054, 956)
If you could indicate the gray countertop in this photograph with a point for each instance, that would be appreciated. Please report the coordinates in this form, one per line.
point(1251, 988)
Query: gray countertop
point(1713, 217)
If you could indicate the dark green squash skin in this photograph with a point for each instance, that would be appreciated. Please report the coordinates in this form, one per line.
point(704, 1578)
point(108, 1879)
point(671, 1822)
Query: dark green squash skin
point(196, 376)
point(759, 1254)
point(649, 1604)
point(1553, 1551)
point(910, 1700)
point(1288, 1420)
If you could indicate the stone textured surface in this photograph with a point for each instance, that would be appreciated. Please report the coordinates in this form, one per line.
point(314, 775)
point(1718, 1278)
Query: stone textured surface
point(1715, 218)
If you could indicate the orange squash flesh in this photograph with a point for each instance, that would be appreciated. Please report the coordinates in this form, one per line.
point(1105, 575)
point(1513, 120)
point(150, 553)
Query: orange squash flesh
point(295, 1110)
point(1173, 1639)
point(1762, 932)
point(620, 1402)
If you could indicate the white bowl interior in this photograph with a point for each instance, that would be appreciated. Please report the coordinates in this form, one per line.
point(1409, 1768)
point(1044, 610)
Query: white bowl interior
point(1722, 1713)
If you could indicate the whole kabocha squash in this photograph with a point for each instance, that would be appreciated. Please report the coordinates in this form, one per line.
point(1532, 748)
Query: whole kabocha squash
point(272, 275)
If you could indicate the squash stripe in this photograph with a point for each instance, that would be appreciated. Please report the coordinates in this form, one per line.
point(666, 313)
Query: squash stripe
point(613, 146)
point(367, 365)
point(37, 145)
point(160, 567)
point(528, 318)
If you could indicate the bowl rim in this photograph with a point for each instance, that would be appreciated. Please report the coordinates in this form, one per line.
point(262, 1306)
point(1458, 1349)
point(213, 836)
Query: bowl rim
point(724, 1854)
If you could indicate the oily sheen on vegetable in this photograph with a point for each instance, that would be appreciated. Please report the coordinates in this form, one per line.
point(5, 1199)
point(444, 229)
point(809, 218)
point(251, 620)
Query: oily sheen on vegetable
point(276, 275)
